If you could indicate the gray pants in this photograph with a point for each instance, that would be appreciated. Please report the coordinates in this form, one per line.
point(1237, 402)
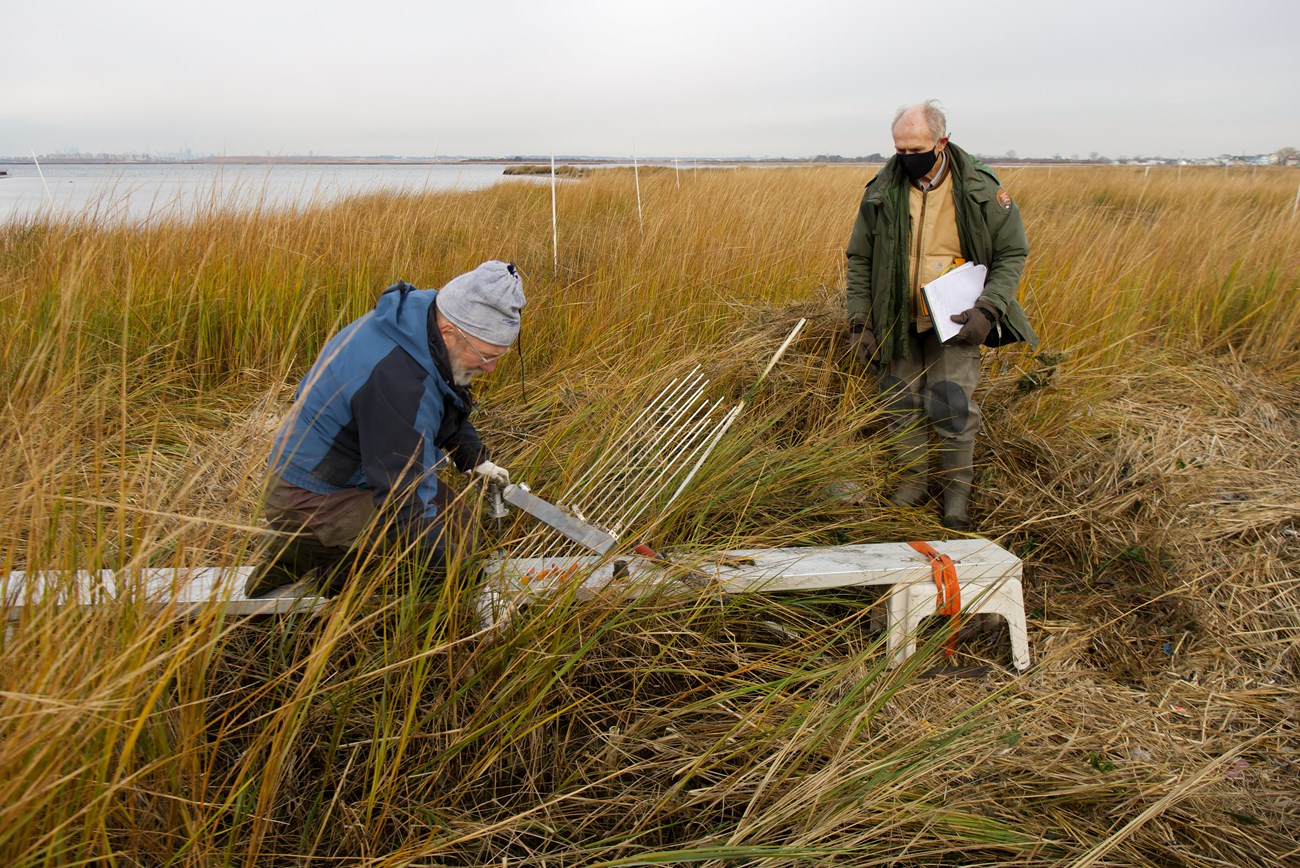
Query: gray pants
point(932, 391)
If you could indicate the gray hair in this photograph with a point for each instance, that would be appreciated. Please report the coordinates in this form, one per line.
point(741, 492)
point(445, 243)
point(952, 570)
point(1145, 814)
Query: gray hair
point(934, 117)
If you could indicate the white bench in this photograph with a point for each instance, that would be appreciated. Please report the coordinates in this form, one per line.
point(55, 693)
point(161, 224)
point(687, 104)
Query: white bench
point(989, 578)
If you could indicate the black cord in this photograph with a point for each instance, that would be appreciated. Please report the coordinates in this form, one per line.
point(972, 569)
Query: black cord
point(523, 389)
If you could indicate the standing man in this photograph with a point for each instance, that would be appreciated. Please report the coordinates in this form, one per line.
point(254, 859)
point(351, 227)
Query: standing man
point(932, 206)
point(353, 469)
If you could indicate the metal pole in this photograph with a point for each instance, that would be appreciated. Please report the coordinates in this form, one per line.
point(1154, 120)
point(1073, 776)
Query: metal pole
point(638, 433)
point(776, 357)
point(677, 428)
point(700, 440)
point(626, 474)
point(640, 489)
point(722, 429)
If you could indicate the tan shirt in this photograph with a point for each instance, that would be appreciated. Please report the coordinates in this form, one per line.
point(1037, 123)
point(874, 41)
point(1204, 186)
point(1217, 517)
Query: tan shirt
point(934, 244)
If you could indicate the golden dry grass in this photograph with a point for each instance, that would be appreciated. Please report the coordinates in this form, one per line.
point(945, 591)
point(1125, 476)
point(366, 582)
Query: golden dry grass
point(1142, 464)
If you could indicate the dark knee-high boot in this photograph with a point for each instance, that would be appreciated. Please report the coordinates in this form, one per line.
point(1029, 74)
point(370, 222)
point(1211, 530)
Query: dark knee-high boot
point(912, 458)
point(910, 432)
point(958, 474)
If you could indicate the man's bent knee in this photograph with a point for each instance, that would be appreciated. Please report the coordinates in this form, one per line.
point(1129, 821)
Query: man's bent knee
point(948, 407)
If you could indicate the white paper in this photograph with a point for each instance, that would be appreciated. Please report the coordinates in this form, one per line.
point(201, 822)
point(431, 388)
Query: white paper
point(953, 293)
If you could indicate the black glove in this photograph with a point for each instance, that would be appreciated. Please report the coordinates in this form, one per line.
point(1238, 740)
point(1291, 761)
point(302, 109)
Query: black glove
point(862, 344)
point(976, 324)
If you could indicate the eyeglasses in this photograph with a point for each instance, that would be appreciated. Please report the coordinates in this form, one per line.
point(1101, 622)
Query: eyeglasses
point(484, 360)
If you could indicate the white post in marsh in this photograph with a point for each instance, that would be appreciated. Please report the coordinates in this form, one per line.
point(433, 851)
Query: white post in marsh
point(42, 174)
point(677, 174)
point(636, 175)
point(555, 230)
point(1297, 201)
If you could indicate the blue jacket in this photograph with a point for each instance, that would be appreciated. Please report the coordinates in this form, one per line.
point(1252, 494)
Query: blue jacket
point(378, 411)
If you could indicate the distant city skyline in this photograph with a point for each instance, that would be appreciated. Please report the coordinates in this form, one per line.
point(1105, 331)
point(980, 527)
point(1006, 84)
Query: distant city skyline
point(720, 79)
point(75, 155)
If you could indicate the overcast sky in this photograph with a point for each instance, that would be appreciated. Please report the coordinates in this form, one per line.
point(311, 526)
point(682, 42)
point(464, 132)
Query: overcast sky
point(676, 78)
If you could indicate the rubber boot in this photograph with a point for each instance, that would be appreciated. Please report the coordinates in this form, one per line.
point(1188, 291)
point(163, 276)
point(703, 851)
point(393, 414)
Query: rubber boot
point(911, 457)
point(958, 473)
point(910, 491)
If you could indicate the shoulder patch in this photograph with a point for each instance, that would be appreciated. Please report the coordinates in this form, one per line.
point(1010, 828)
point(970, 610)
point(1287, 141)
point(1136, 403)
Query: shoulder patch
point(1004, 198)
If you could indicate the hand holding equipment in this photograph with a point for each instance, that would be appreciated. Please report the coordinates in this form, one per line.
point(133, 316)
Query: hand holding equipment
point(493, 473)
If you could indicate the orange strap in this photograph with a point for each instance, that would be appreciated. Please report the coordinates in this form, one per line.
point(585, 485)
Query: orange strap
point(948, 601)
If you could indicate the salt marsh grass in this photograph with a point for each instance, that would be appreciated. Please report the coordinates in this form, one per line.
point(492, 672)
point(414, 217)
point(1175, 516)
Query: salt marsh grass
point(1143, 464)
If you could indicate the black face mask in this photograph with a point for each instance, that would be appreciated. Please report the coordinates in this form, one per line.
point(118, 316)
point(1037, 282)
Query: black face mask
point(916, 165)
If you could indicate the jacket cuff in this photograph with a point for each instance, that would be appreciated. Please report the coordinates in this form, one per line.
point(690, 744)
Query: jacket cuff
point(466, 460)
point(989, 311)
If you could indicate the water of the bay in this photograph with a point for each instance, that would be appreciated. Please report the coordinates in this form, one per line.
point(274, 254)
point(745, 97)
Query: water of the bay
point(143, 191)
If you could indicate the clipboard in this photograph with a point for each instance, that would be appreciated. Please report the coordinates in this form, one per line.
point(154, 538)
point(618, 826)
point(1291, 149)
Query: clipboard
point(952, 293)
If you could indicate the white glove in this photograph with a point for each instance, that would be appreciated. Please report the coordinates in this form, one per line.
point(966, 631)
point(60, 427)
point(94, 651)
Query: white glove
point(493, 473)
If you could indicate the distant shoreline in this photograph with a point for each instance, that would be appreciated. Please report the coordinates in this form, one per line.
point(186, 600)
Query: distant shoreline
point(999, 161)
point(419, 161)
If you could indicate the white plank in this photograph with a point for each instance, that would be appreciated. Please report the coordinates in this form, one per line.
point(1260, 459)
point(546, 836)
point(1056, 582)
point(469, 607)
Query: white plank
point(814, 568)
point(763, 570)
point(183, 591)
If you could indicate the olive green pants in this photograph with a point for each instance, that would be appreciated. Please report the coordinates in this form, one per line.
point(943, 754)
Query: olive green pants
point(931, 391)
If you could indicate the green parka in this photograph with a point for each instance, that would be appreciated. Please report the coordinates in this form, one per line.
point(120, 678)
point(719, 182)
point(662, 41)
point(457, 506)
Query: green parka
point(991, 234)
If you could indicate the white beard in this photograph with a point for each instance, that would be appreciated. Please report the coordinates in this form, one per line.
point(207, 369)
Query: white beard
point(462, 376)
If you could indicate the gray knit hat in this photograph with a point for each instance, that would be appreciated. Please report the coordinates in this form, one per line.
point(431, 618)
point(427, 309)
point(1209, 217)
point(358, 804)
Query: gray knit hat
point(485, 302)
